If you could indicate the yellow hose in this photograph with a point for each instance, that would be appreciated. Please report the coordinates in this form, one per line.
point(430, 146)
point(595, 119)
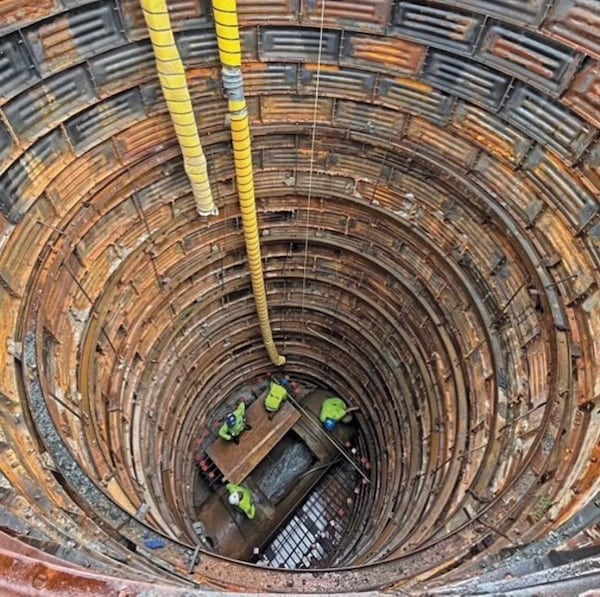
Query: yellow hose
point(228, 38)
point(175, 90)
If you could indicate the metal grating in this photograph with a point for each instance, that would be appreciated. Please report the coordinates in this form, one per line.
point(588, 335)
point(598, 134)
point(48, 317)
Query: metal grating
point(315, 532)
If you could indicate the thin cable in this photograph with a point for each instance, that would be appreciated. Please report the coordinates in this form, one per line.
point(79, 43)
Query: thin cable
point(312, 153)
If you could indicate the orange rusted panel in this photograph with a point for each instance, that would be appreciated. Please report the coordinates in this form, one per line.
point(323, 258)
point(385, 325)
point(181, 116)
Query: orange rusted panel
point(491, 133)
point(80, 176)
point(290, 108)
point(508, 50)
point(20, 251)
point(583, 96)
point(20, 12)
point(576, 23)
point(432, 136)
point(268, 12)
point(368, 14)
point(403, 58)
point(145, 137)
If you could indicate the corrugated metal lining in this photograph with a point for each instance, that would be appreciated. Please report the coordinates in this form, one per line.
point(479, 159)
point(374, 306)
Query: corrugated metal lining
point(438, 25)
point(557, 183)
point(521, 11)
point(122, 67)
point(520, 194)
point(198, 47)
point(18, 184)
point(184, 14)
point(103, 120)
point(343, 82)
point(366, 14)
point(548, 122)
point(529, 57)
point(294, 108)
point(17, 70)
point(591, 164)
point(583, 96)
point(6, 143)
point(66, 40)
point(384, 54)
point(43, 106)
point(148, 136)
point(415, 98)
point(374, 119)
point(576, 22)
point(75, 181)
point(464, 78)
point(270, 78)
point(269, 11)
point(17, 13)
point(447, 143)
point(491, 133)
point(285, 44)
point(511, 174)
point(175, 184)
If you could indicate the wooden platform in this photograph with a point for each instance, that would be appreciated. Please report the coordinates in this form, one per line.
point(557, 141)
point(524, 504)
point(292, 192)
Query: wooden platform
point(237, 461)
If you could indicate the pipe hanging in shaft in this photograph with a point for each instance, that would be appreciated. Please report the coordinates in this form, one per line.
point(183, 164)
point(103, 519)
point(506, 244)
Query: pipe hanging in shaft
point(228, 38)
point(175, 90)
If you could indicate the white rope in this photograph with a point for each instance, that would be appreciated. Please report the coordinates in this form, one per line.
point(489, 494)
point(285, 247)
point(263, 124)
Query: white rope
point(312, 152)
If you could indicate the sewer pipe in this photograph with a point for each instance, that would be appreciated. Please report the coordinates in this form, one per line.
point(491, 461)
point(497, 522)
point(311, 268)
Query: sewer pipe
point(228, 38)
point(173, 83)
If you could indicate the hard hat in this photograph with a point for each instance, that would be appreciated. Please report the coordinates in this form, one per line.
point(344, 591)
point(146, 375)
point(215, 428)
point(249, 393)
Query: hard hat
point(329, 424)
point(231, 420)
point(234, 499)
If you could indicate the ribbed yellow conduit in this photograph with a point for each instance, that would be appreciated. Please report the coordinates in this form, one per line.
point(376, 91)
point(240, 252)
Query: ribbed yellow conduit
point(230, 53)
point(175, 90)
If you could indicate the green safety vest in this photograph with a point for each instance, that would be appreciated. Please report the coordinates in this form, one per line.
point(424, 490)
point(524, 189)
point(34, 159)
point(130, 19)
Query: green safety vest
point(246, 504)
point(240, 423)
point(333, 408)
point(275, 397)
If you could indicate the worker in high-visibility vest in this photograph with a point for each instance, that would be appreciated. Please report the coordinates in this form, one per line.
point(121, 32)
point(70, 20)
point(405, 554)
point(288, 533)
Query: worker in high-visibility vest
point(235, 424)
point(277, 394)
point(333, 411)
point(241, 498)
